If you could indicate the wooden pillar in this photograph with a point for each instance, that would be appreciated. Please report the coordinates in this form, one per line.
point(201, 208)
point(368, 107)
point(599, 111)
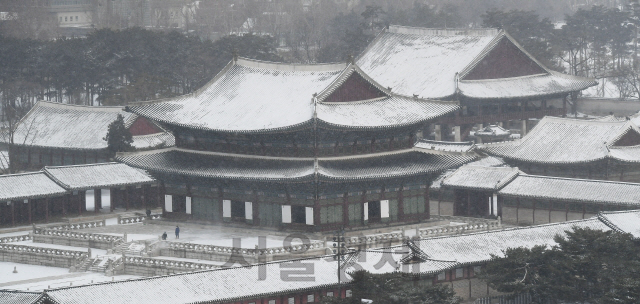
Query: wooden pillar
point(97, 200)
point(127, 194)
point(316, 213)
point(143, 189)
point(427, 203)
point(564, 106)
point(67, 200)
point(46, 209)
point(29, 208)
point(13, 213)
point(468, 202)
point(401, 203)
point(79, 199)
point(345, 210)
point(255, 209)
point(112, 201)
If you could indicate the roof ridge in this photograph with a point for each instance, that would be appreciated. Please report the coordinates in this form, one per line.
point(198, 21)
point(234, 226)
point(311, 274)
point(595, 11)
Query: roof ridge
point(83, 165)
point(410, 30)
point(579, 179)
point(23, 173)
point(294, 67)
point(51, 104)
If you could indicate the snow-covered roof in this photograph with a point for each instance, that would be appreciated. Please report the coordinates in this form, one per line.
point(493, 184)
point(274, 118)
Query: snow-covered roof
point(435, 146)
point(234, 166)
point(28, 186)
point(481, 178)
point(626, 154)
point(20, 297)
point(386, 112)
point(488, 161)
point(210, 286)
point(421, 61)
point(56, 125)
point(493, 131)
point(391, 260)
point(623, 221)
point(432, 63)
point(573, 190)
point(92, 176)
point(247, 96)
point(154, 141)
point(251, 96)
point(551, 83)
point(563, 140)
point(476, 248)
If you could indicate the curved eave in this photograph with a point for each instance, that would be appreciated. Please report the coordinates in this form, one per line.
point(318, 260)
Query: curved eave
point(334, 126)
point(578, 84)
point(490, 151)
point(291, 128)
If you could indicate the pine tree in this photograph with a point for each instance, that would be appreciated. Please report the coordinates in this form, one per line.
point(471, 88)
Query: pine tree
point(118, 138)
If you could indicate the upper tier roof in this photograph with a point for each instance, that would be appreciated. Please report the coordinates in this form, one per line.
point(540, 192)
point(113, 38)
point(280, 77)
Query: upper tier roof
point(56, 125)
point(404, 163)
point(433, 64)
point(92, 176)
point(481, 177)
point(563, 141)
point(250, 96)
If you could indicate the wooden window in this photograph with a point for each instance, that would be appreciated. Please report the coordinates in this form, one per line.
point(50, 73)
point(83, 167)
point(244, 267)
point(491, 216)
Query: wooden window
point(310, 298)
point(441, 276)
point(329, 293)
point(459, 273)
point(291, 301)
point(348, 293)
point(272, 301)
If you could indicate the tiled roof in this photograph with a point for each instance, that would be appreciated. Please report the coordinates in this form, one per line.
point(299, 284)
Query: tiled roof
point(247, 96)
point(476, 248)
point(235, 166)
point(522, 87)
point(342, 78)
point(389, 166)
point(390, 260)
point(386, 112)
point(623, 221)
point(576, 190)
point(493, 130)
point(83, 177)
point(488, 161)
point(434, 146)
point(211, 286)
point(229, 166)
point(68, 126)
point(625, 154)
point(482, 178)
point(563, 140)
point(424, 62)
point(154, 141)
point(19, 297)
point(28, 185)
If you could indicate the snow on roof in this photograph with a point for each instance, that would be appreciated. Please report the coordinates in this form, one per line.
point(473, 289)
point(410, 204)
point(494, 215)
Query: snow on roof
point(67, 126)
point(479, 177)
point(553, 83)
point(219, 285)
point(423, 61)
point(625, 154)
point(493, 130)
point(574, 190)
point(563, 140)
point(27, 186)
point(247, 96)
point(489, 161)
point(19, 297)
point(434, 146)
point(386, 112)
point(391, 260)
point(57, 125)
point(622, 221)
point(477, 248)
point(104, 175)
point(235, 166)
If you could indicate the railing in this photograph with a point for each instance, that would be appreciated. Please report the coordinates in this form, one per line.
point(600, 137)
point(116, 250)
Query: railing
point(137, 218)
point(459, 229)
point(15, 238)
point(76, 226)
point(79, 235)
point(44, 251)
point(459, 120)
point(505, 299)
point(187, 266)
point(245, 251)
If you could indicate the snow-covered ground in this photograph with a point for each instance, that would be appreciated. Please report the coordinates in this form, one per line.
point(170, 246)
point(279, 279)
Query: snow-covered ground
point(37, 278)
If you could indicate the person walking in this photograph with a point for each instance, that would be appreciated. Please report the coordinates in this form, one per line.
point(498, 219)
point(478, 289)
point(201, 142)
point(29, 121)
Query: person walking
point(177, 232)
point(164, 236)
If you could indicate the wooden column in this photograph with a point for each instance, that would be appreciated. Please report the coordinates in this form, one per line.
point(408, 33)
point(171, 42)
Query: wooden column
point(112, 201)
point(66, 200)
point(345, 210)
point(143, 189)
point(97, 200)
point(316, 213)
point(468, 202)
point(127, 194)
point(13, 213)
point(427, 203)
point(80, 200)
point(401, 204)
point(46, 209)
point(29, 207)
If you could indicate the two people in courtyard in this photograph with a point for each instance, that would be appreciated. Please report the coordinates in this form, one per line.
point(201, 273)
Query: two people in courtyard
point(164, 235)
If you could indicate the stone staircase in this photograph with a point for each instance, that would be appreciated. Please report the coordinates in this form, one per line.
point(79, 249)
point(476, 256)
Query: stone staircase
point(98, 264)
point(85, 265)
point(131, 249)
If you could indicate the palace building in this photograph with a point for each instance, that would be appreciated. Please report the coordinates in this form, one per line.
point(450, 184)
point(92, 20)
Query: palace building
point(318, 147)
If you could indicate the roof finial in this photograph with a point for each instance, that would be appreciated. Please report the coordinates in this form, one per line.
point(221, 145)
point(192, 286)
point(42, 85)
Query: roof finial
point(350, 59)
point(389, 89)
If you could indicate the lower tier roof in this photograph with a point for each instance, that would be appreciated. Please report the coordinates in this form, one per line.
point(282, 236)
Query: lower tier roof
point(404, 163)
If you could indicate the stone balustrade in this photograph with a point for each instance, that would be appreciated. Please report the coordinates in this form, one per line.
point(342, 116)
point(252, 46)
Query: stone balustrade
point(460, 229)
point(15, 238)
point(76, 226)
point(44, 251)
point(41, 256)
point(245, 251)
point(136, 218)
point(76, 239)
point(152, 266)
